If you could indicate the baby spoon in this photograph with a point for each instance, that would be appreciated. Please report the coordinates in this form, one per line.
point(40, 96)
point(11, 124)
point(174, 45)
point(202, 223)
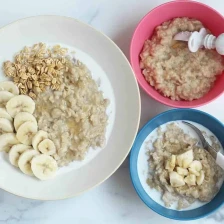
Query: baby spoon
point(218, 156)
point(200, 39)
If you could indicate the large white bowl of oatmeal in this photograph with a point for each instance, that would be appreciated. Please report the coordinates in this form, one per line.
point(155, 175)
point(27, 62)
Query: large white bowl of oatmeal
point(165, 68)
point(171, 171)
point(71, 132)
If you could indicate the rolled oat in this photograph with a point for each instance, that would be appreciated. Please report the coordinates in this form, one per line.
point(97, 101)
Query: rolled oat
point(36, 68)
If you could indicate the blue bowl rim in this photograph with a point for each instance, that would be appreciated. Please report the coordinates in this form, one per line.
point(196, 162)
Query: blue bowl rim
point(135, 180)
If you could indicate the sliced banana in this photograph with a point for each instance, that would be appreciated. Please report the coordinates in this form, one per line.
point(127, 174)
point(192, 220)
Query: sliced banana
point(176, 180)
point(10, 87)
point(6, 126)
point(182, 171)
point(39, 137)
point(190, 180)
point(170, 164)
point(20, 103)
point(5, 96)
point(44, 167)
point(193, 171)
point(47, 147)
point(24, 161)
point(7, 141)
point(26, 132)
point(5, 114)
point(22, 117)
point(15, 153)
point(173, 161)
point(200, 178)
point(185, 159)
point(195, 167)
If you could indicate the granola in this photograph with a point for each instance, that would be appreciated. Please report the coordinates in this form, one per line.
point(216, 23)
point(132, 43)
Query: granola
point(38, 67)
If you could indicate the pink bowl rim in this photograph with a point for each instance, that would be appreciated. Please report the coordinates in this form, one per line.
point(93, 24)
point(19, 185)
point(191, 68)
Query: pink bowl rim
point(169, 103)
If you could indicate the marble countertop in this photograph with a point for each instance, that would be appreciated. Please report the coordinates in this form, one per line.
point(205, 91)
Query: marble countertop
point(114, 201)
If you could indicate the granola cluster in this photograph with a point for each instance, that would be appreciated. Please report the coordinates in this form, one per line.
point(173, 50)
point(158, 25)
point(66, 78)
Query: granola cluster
point(38, 67)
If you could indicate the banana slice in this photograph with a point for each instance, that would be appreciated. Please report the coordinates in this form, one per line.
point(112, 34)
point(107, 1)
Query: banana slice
point(200, 178)
point(5, 96)
point(176, 180)
point(193, 171)
point(190, 180)
point(6, 126)
point(39, 137)
point(170, 164)
point(7, 141)
point(47, 147)
point(26, 132)
point(20, 103)
point(195, 167)
point(173, 161)
point(15, 153)
point(5, 114)
point(185, 159)
point(23, 117)
point(44, 167)
point(24, 161)
point(182, 171)
point(10, 87)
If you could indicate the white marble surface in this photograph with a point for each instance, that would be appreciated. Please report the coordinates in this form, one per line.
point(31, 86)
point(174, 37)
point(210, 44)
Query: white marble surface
point(115, 201)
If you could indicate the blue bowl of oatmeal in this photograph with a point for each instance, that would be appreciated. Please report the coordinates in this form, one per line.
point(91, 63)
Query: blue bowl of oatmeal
point(141, 170)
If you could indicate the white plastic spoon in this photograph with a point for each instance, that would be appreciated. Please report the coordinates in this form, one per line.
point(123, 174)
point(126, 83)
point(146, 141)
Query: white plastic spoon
point(200, 39)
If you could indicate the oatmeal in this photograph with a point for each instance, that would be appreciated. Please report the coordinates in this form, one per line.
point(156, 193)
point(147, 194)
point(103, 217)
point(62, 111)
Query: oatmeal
point(182, 171)
point(172, 69)
point(70, 109)
point(74, 116)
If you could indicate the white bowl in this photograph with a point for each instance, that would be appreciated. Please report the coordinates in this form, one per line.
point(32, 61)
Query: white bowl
point(118, 82)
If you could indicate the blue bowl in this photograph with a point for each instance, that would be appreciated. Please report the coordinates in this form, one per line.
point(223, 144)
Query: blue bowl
point(199, 117)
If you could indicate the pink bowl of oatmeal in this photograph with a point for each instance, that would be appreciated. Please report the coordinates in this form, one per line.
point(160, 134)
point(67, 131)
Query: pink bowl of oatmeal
point(201, 78)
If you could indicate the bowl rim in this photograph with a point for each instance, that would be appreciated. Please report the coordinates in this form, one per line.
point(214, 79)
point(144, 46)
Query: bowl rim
point(147, 91)
point(134, 172)
point(137, 89)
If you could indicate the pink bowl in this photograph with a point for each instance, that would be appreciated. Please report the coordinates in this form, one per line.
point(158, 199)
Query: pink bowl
point(208, 16)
